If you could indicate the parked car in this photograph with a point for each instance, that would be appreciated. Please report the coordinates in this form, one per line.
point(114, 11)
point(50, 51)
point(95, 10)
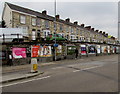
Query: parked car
point(58, 37)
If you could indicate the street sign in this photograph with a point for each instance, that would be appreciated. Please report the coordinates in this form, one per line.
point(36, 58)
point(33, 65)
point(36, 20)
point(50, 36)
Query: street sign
point(55, 45)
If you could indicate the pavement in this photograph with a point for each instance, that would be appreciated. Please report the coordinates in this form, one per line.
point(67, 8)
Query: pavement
point(13, 73)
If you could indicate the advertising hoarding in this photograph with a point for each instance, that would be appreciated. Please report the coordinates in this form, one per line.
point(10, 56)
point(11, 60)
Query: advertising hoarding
point(91, 49)
point(83, 50)
point(19, 52)
point(104, 49)
point(35, 50)
point(108, 49)
point(98, 49)
point(45, 51)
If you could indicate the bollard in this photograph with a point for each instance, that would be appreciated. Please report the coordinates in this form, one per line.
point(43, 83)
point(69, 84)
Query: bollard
point(34, 65)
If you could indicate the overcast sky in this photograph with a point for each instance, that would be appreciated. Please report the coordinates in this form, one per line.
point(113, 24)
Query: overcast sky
point(100, 15)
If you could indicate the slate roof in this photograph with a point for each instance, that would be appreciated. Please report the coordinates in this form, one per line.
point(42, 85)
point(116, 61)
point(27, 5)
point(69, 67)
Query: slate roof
point(36, 13)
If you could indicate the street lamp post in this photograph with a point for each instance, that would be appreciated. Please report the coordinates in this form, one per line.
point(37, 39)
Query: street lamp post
point(55, 26)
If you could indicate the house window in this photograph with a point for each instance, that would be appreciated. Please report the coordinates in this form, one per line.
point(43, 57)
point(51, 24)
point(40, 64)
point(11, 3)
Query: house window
point(33, 21)
point(22, 19)
point(67, 29)
point(76, 31)
point(46, 24)
point(38, 22)
point(61, 27)
point(38, 33)
point(71, 30)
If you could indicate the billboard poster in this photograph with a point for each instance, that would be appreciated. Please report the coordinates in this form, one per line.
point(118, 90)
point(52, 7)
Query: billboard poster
point(59, 50)
point(91, 49)
point(108, 47)
point(71, 50)
point(83, 50)
point(45, 51)
point(19, 52)
point(35, 50)
point(104, 49)
point(98, 49)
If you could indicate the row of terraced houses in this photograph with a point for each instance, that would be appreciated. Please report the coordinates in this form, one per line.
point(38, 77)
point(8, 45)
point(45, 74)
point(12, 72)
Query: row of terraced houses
point(41, 24)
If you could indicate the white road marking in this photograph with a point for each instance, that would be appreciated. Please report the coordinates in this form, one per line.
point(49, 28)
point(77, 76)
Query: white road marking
point(87, 68)
point(26, 81)
point(91, 68)
point(58, 68)
point(76, 70)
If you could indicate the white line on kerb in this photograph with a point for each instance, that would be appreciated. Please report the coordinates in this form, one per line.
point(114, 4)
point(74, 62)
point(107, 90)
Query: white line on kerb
point(26, 81)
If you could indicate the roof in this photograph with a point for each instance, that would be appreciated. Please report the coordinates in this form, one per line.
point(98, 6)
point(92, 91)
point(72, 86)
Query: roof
point(38, 14)
point(29, 11)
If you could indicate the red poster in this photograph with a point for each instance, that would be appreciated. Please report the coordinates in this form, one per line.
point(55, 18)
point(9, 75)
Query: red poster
point(35, 50)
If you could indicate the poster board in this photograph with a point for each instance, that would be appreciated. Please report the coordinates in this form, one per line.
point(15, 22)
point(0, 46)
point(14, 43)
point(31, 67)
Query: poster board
point(45, 51)
point(19, 52)
point(35, 50)
point(83, 49)
point(98, 49)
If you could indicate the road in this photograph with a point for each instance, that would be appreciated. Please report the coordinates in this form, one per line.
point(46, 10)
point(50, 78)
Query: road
point(98, 74)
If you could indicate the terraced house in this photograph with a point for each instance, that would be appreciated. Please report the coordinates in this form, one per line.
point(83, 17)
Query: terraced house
point(39, 25)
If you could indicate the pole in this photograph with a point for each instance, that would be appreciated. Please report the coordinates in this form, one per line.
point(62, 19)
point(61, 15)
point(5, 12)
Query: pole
point(55, 26)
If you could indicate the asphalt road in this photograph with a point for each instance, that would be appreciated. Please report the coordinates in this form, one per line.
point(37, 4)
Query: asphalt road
point(92, 75)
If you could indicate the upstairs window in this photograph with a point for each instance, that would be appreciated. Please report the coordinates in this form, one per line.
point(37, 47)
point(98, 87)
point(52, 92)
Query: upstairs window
point(22, 19)
point(33, 21)
point(47, 24)
point(61, 27)
point(71, 30)
point(38, 22)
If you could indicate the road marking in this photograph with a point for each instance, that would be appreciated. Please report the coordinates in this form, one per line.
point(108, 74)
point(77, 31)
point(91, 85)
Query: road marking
point(91, 68)
point(26, 81)
point(87, 68)
point(58, 68)
point(76, 70)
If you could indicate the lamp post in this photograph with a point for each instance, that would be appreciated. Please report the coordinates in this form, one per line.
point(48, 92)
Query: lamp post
point(55, 26)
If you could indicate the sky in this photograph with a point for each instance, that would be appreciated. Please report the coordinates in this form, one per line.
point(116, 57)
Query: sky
point(102, 16)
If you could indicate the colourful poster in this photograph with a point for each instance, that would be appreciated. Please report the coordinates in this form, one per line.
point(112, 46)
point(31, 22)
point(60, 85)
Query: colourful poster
point(98, 49)
point(91, 49)
point(59, 50)
point(35, 51)
point(45, 51)
point(108, 47)
point(19, 52)
point(83, 50)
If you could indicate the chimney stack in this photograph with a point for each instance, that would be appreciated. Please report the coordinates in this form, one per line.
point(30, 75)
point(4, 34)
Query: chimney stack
point(57, 16)
point(100, 32)
point(103, 33)
point(96, 30)
point(67, 20)
point(82, 25)
point(88, 27)
point(92, 29)
point(44, 12)
point(75, 23)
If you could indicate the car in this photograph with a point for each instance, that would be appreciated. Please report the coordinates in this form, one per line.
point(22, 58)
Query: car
point(58, 37)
